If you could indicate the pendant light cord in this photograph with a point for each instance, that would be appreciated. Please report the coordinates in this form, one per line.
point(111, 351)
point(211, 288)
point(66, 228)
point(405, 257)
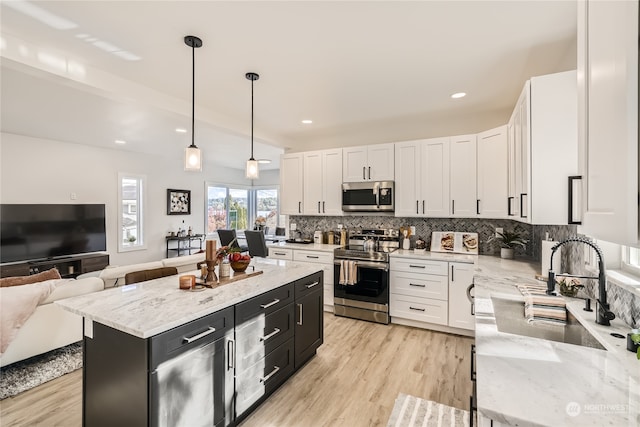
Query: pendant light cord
point(193, 94)
point(252, 120)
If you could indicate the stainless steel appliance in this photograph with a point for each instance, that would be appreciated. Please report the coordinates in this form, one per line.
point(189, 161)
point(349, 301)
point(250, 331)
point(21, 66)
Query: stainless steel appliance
point(367, 298)
point(375, 196)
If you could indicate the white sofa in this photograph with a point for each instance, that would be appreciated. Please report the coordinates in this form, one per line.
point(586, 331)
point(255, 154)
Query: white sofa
point(51, 327)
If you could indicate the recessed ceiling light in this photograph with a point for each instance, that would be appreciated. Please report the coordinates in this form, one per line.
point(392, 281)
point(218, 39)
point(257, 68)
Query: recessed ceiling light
point(181, 130)
point(264, 161)
point(120, 141)
point(458, 95)
point(307, 121)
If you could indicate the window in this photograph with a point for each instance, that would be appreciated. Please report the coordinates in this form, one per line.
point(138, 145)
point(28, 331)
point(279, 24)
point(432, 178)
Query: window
point(237, 208)
point(631, 260)
point(130, 221)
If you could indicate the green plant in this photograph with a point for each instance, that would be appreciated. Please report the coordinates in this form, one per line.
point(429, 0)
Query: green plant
point(569, 286)
point(510, 239)
point(635, 337)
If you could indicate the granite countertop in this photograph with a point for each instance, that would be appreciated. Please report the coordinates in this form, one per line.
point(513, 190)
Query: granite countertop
point(149, 308)
point(318, 247)
point(527, 381)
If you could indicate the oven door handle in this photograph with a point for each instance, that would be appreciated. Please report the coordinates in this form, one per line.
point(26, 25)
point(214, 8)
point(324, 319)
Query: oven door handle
point(366, 264)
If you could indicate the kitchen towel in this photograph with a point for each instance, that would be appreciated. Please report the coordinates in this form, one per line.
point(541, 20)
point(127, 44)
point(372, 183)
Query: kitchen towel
point(532, 289)
point(348, 272)
point(545, 309)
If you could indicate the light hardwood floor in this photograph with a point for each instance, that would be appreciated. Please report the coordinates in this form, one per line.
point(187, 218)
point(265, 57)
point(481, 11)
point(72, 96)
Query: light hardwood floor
point(352, 381)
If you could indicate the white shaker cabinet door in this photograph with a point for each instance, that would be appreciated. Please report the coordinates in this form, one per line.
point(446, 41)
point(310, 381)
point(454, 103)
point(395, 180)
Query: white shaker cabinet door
point(492, 173)
point(332, 182)
point(381, 163)
point(460, 307)
point(408, 198)
point(435, 178)
point(608, 118)
point(312, 183)
point(291, 184)
point(354, 164)
point(463, 176)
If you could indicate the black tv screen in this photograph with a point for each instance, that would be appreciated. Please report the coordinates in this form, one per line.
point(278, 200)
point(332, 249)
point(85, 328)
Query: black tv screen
point(33, 232)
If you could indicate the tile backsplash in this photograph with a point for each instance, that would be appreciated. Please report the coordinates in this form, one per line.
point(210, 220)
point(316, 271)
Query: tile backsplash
point(625, 304)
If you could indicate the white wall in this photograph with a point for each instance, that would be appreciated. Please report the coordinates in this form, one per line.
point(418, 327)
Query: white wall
point(45, 171)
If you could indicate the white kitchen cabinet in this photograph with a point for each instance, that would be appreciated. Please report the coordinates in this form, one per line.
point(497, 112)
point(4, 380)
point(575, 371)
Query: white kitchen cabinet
point(492, 191)
point(291, 184)
point(280, 253)
point(368, 163)
point(608, 119)
point(460, 308)
point(322, 182)
point(463, 176)
point(325, 261)
point(422, 178)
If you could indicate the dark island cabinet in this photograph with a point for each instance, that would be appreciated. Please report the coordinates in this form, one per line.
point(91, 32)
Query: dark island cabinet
point(212, 371)
point(309, 302)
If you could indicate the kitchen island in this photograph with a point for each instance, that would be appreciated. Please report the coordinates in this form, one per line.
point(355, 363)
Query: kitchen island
point(156, 355)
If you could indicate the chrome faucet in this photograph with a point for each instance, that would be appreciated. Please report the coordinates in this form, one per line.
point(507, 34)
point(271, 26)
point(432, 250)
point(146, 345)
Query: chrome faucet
point(603, 314)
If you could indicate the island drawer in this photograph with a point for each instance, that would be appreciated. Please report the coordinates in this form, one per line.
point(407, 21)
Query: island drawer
point(439, 268)
point(309, 284)
point(279, 253)
point(261, 335)
point(420, 285)
point(167, 345)
point(264, 304)
point(264, 377)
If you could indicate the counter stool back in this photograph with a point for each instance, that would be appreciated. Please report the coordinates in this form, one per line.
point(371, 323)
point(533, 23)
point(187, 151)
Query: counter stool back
point(144, 275)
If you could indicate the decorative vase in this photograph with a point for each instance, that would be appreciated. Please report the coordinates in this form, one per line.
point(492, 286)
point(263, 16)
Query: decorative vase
point(224, 269)
point(506, 253)
point(568, 291)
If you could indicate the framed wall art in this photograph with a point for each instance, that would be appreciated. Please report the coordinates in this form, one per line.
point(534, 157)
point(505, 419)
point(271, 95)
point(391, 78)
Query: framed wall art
point(178, 202)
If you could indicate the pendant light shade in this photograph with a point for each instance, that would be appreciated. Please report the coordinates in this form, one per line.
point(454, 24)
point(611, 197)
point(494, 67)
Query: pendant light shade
point(192, 154)
point(252, 171)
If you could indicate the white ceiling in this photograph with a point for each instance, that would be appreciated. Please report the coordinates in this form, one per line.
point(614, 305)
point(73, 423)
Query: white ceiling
point(363, 71)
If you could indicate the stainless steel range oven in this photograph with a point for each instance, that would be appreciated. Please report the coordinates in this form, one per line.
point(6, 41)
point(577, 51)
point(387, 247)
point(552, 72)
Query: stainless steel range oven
point(361, 275)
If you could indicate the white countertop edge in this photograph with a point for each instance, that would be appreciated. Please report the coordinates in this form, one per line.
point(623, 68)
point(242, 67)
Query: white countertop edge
point(316, 247)
point(434, 256)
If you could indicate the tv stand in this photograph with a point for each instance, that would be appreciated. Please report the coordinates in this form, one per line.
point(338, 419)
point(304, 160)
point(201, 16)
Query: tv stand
point(69, 267)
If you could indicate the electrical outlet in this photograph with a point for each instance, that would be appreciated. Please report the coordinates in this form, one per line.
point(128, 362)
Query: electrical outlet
point(292, 226)
point(73, 196)
point(499, 230)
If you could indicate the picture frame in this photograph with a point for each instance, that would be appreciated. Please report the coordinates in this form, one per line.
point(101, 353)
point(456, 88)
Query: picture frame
point(178, 202)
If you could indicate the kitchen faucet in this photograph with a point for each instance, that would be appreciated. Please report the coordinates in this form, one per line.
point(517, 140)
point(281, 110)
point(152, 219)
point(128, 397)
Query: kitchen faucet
point(603, 314)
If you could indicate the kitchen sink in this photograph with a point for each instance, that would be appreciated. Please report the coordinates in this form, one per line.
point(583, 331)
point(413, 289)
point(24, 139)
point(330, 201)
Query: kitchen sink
point(509, 315)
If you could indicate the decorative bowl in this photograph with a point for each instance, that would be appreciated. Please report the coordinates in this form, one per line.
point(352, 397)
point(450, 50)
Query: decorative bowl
point(240, 266)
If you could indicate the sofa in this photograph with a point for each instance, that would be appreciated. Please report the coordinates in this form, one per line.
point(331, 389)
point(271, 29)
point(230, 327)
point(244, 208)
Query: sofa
point(50, 327)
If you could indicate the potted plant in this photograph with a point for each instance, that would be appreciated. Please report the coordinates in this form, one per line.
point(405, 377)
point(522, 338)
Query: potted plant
point(508, 240)
point(633, 342)
point(569, 286)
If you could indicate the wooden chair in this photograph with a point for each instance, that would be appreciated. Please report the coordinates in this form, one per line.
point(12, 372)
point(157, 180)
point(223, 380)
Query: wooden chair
point(144, 275)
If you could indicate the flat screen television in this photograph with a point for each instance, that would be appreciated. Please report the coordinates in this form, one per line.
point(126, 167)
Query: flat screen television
point(33, 232)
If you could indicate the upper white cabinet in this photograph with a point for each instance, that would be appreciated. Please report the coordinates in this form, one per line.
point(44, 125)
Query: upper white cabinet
point(422, 178)
point(608, 119)
point(492, 173)
point(543, 149)
point(463, 176)
point(322, 182)
point(291, 184)
point(368, 163)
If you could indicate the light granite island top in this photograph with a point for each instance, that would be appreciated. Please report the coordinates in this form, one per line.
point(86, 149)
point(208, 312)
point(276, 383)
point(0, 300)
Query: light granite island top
point(524, 381)
point(148, 308)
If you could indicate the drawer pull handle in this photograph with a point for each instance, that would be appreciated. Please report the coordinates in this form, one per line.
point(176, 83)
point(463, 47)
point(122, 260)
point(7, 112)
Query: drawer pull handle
point(271, 304)
point(279, 253)
point(187, 340)
point(299, 322)
point(417, 285)
point(312, 257)
point(275, 332)
point(312, 285)
point(416, 266)
point(230, 357)
point(416, 309)
point(272, 373)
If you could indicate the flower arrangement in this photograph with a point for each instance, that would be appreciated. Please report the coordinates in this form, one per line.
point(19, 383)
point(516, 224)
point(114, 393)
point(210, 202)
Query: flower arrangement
point(569, 286)
point(261, 220)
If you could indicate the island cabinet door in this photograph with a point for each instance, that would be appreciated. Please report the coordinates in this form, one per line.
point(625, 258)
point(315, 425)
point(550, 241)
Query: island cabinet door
point(309, 307)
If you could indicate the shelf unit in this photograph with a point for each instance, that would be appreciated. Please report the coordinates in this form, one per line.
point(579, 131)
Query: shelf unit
point(69, 267)
point(184, 244)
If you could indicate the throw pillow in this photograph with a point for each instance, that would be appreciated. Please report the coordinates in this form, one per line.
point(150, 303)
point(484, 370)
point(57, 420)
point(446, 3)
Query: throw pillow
point(33, 278)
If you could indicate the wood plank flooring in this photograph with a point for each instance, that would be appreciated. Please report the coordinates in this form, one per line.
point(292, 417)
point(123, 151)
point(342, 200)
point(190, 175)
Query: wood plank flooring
point(352, 381)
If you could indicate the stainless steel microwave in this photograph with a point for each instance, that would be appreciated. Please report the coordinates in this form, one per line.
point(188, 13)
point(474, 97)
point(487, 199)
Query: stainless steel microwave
point(376, 196)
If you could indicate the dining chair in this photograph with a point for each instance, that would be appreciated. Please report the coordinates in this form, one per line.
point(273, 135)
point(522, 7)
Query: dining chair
point(230, 238)
point(257, 243)
point(144, 275)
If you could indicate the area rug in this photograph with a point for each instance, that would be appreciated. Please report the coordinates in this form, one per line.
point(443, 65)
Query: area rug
point(32, 372)
point(411, 411)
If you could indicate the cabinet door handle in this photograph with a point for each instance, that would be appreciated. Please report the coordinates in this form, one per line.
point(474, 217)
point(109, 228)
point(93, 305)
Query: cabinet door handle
point(299, 322)
point(312, 285)
point(187, 340)
point(230, 353)
point(271, 304)
point(299, 207)
point(369, 172)
point(416, 266)
point(452, 279)
point(477, 206)
point(570, 210)
point(473, 364)
point(417, 285)
point(423, 207)
point(509, 200)
point(272, 373)
point(312, 256)
point(522, 195)
point(275, 332)
point(416, 309)
point(417, 204)
point(318, 207)
point(364, 176)
point(323, 207)
point(453, 207)
point(279, 253)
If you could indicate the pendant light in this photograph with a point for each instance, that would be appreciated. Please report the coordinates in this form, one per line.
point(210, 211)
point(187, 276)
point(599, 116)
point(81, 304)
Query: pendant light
point(252, 164)
point(192, 154)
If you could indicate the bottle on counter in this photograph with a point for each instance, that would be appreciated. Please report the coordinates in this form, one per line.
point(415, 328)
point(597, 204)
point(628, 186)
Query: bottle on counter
point(330, 237)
